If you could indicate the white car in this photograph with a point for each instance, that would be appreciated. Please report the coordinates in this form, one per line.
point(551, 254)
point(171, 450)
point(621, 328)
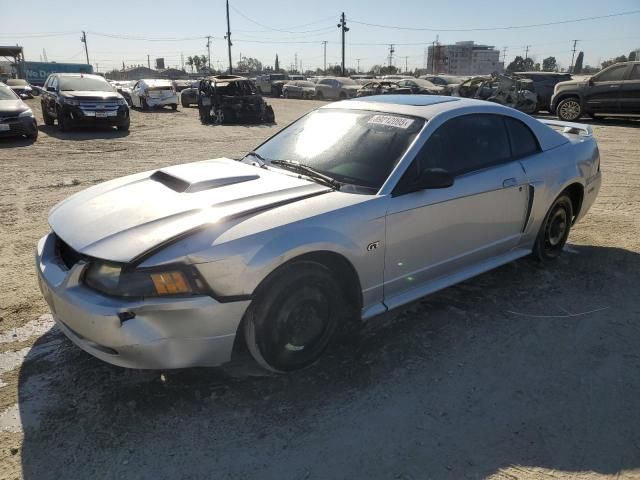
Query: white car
point(148, 93)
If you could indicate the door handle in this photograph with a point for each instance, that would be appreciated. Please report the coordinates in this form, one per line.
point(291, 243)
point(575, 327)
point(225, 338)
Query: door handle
point(509, 182)
point(614, 86)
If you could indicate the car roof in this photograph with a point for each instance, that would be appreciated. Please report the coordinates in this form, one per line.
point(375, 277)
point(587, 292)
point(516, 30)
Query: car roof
point(155, 80)
point(431, 106)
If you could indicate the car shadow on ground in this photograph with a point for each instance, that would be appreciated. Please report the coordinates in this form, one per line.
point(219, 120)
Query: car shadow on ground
point(15, 142)
point(83, 133)
point(528, 366)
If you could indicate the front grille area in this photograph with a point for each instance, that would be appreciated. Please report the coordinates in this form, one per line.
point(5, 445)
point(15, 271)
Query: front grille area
point(68, 255)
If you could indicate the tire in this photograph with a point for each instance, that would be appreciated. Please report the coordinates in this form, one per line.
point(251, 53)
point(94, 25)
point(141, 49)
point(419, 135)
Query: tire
point(34, 135)
point(269, 115)
point(184, 104)
point(124, 128)
point(143, 104)
point(174, 106)
point(569, 109)
point(62, 124)
point(319, 95)
point(295, 313)
point(343, 95)
point(285, 93)
point(554, 230)
point(48, 119)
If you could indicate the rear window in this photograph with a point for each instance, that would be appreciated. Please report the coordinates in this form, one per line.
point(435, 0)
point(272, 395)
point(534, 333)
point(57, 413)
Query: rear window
point(16, 82)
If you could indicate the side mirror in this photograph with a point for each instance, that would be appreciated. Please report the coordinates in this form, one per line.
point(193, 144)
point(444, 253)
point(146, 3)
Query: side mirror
point(51, 89)
point(590, 81)
point(430, 178)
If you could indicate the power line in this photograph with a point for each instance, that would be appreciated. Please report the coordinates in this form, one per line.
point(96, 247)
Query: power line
point(267, 26)
point(511, 27)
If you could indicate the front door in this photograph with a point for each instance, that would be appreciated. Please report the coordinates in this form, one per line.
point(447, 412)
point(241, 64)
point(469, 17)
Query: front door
point(604, 90)
point(630, 96)
point(435, 233)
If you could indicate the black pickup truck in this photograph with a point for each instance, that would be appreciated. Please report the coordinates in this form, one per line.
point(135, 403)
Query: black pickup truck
point(614, 90)
point(77, 99)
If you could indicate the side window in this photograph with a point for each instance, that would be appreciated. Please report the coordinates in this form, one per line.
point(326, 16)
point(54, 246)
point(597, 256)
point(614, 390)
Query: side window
point(635, 72)
point(464, 144)
point(323, 82)
point(54, 82)
point(614, 74)
point(523, 141)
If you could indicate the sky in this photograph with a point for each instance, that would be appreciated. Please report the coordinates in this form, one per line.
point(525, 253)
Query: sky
point(296, 29)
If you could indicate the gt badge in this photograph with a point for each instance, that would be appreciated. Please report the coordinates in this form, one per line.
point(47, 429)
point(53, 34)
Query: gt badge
point(372, 246)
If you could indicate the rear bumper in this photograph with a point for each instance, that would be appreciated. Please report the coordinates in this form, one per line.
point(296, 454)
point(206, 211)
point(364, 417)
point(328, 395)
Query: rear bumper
point(160, 333)
point(161, 102)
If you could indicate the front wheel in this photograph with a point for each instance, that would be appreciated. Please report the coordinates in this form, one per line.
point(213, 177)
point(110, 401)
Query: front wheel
point(554, 230)
point(48, 119)
point(174, 106)
point(569, 109)
point(293, 317)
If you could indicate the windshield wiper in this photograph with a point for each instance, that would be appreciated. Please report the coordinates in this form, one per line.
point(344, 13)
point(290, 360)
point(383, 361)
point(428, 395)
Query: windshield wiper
point(309, 172)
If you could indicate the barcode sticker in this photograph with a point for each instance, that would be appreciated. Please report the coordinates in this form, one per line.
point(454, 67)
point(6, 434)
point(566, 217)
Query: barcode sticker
point(391, 121)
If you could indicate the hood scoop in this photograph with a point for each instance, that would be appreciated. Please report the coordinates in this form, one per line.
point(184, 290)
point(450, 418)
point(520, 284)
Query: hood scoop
point(192, 180)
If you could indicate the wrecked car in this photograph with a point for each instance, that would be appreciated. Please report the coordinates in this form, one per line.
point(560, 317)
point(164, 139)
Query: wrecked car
point(354, 209)
point(382, 88)
point(503, 89)
point(230, 99)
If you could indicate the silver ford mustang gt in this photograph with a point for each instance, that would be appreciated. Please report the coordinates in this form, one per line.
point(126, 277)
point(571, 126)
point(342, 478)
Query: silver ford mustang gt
point(356, 208)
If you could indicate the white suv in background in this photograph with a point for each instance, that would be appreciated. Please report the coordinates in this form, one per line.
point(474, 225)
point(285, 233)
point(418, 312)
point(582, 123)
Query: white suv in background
point(150, 93)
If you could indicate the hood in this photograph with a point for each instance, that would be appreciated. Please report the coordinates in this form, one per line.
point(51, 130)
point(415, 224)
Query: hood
point(90, 95)
point(12, 106)
point(571, 84)
point(125, 218)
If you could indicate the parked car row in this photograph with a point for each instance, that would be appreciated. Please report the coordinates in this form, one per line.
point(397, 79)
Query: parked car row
point(16, 118)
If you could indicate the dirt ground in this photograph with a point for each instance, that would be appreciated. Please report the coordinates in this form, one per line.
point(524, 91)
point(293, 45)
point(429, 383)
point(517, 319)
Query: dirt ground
point(526, 372)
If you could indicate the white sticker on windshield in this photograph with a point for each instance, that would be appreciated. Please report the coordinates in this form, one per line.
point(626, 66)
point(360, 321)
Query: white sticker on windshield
point(391, 121)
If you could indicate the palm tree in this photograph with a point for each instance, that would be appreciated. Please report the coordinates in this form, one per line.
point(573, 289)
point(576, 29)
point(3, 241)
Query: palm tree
point(197, 61)
point(190, 63)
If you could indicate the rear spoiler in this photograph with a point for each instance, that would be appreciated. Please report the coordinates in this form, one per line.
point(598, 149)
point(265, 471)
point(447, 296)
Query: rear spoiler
point(570, 127)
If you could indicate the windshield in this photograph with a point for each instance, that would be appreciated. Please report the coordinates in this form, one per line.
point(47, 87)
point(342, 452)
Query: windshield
point(347, 81)
point(351, 146)
point(17, 82)
point(277, 76)
point(6, 93)
point(87, 84)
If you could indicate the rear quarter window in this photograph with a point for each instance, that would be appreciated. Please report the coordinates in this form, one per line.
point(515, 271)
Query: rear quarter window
point(523, 142)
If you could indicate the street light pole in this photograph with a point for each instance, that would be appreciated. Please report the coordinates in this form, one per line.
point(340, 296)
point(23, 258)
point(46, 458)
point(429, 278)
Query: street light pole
point(228, 37)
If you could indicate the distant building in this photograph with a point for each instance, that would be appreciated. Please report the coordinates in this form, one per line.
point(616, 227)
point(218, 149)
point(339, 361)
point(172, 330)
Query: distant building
point(464, 58)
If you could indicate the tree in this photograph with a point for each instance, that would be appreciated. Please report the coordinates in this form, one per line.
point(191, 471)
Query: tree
point(203, 61)
point(611, 61)
point(197, 63)
point(577, 68)
point(520, 64)
point(633, 56)
point(190, 63)
point(536, 67)
point(549, 64)
point(248, 64)
point(276, 67)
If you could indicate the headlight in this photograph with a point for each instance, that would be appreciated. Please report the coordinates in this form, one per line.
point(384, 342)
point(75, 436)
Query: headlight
point(26, 113)
point(71, 101)
point(113, 279)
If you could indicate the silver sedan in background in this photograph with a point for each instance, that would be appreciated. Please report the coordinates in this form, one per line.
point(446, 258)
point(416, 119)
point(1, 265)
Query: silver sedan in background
point(357, 208)
point(299, 89)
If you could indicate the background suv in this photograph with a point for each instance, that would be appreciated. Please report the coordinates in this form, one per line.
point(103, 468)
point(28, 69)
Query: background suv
point(614, 90)
point(75, 99)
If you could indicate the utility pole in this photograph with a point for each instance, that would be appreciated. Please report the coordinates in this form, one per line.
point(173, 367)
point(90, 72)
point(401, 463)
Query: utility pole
point(391, 52)
point(83, 39)
point(324, 42)
point(573, 54)
point(358, 60)
point(148, 62)
point(209, 52)
point(406, 64)
point(228, 37)
point(504, 54)
point(526, 51)
point(295, 60)
point(343, 28)
point(182, 60)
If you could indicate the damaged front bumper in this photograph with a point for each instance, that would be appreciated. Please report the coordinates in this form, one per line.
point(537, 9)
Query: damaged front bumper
point(154, 333)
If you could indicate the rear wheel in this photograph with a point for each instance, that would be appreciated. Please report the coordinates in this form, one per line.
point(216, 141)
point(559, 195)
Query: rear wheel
point(143, 104)
point(293, 317)
point(569, 109)
point(555, 229)
point(174, 106)
point(184, 103)
point(319, 95)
